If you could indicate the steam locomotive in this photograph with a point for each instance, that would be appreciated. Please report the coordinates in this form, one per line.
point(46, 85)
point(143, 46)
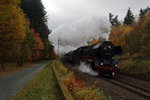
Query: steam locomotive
point(100, 57)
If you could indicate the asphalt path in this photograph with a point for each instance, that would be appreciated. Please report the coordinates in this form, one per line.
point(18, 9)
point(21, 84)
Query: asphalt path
point(11, 84)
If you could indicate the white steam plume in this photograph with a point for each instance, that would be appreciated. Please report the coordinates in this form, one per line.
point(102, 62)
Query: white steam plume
point(85, 68)
point(78, 33)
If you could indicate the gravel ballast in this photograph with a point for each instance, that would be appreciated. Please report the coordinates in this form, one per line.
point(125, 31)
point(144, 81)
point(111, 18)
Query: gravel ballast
point(115, 92)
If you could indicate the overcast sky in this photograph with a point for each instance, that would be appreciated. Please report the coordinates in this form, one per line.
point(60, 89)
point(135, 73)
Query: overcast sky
point(70, 17)
point(66, 11)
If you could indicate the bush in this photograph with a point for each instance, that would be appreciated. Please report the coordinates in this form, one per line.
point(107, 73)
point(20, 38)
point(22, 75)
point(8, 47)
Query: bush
point(136, 67)
point(76, 87)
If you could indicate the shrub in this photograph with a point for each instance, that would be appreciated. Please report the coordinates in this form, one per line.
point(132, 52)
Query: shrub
point(76, 87)
point(137, 67)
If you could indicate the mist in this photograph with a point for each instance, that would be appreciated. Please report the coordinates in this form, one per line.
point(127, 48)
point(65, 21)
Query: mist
point(78, 33)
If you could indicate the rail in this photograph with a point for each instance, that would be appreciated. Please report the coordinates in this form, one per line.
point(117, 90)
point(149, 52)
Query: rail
point(64, 89)
point(138, 90)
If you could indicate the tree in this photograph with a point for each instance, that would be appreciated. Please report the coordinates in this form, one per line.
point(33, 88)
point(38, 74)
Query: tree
point(134, 39)
point(146, 38)
point(27, 47)
point(95, 41)
point(143, 12)
point(36, 13)
point(129, 18)
point(114, 21)
point(12, 30)
point(38, 46)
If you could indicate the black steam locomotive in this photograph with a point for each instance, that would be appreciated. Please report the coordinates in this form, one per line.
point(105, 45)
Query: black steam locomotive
point(98, 56)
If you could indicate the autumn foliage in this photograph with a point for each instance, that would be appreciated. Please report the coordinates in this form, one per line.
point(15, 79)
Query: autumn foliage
point(134, 38)
point(78, 89)
point(95, 41)
point(19, 42)
point(12, 31)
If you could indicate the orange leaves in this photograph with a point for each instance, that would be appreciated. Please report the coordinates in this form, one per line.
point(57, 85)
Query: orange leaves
point(78, 89)
point(71, 82)
point(119, 36)
point(131, 37)
point(94, 41)
point(39, 45)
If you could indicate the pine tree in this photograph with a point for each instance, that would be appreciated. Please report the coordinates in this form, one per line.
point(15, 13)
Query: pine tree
point(129, 18)
point(36, 13)
point(143, 12)
point(35, 10)
point(114, 21)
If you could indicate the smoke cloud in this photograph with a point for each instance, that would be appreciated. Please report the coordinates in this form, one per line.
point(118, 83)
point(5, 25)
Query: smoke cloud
point(85, 68)
point(78, 33)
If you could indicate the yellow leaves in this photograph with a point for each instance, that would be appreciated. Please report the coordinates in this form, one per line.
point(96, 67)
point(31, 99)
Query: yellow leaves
point(13, 2)
point(146, 24)
point(12, 21)
point(94, 41)
point(127, 30)
point(12, 28)
point(77, 87)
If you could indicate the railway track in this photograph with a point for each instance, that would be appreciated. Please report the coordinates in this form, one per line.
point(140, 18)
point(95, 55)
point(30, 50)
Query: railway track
point(125, 85)
point(135, 85)
point(135, 76)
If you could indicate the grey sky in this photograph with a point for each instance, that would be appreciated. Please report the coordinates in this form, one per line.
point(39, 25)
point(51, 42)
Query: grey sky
point(66, 11)
point(77, 21)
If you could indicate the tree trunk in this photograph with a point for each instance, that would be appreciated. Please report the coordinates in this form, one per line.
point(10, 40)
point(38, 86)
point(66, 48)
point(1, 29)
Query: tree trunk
point(3, 66)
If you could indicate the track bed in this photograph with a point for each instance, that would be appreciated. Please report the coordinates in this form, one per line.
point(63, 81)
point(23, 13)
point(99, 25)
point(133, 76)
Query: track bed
point(116, 88)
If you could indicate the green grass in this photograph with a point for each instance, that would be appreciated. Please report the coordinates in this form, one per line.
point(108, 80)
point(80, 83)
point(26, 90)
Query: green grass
point(137, 67)
point(43, 87)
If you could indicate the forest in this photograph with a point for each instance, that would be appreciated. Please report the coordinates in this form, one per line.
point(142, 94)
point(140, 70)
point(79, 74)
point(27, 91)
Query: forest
point(133, 35)
point(23, 32)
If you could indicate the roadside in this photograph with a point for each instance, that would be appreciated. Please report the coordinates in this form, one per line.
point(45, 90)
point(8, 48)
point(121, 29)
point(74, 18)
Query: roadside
point(10, 84)
point(43, 87)
point(12, 68)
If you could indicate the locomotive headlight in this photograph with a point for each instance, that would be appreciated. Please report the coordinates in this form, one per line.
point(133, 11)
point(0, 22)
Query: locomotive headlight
point(116, 66)
point(109, 47)
point(101, 64)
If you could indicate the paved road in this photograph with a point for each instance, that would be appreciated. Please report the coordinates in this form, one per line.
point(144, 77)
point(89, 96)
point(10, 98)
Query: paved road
point(11, 84)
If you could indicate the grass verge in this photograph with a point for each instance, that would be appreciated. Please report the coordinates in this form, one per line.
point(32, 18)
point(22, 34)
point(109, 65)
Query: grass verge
point(77, 88)
point(136, 67)
point(43, 87)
